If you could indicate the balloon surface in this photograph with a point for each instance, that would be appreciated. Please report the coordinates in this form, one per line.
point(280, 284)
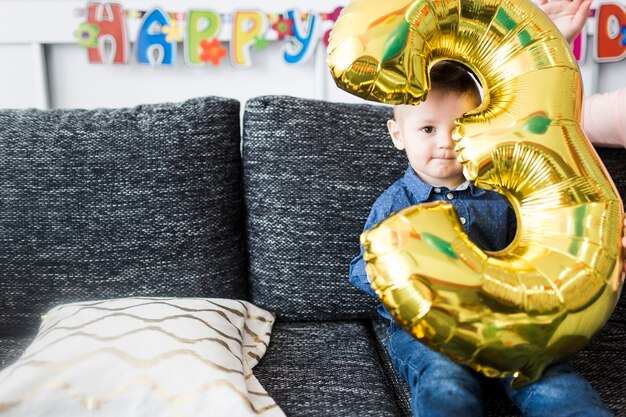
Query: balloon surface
point(538, 301)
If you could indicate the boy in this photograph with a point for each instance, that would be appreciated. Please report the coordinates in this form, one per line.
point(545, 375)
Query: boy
point(439, 386)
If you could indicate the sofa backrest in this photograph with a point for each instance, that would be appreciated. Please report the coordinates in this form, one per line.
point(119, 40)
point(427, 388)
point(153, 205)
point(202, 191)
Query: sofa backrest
point(312, 170)
point(116, 202)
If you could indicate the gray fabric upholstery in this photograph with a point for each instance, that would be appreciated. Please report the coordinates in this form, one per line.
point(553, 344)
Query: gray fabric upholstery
point(325, 369)
point(115, 202)
point(603, 364)
point(149, 201)
point(312, 170)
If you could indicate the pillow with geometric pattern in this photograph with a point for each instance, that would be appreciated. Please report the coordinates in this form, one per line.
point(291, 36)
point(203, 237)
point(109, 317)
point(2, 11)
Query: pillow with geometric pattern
point(143, 357)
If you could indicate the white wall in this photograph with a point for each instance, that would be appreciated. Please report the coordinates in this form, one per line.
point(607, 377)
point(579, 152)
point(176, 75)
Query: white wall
point(42, 66)
point(86, 85)
point(22, 80)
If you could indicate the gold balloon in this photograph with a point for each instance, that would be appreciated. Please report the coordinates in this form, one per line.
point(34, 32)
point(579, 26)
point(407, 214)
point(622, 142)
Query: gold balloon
point(512, 312)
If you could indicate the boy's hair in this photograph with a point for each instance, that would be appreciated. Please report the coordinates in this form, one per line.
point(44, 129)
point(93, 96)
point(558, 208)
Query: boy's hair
point(453, 77)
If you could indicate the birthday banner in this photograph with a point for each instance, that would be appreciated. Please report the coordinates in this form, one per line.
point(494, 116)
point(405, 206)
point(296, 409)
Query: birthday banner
point(610, 45)
point(104, 35)
point(204, 33)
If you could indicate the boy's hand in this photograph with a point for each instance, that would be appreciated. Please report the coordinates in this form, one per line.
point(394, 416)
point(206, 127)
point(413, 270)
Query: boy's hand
point(568, 15)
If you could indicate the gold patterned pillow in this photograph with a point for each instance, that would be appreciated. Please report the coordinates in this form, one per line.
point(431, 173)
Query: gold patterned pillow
point(143, 357)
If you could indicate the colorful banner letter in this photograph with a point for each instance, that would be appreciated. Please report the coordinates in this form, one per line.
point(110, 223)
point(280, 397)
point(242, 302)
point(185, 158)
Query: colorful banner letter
point(247, 27)
point(579, 47)
point(202, 25)
point(304, 39)
point(112, 34)
point(152, 47)
point(610, 42)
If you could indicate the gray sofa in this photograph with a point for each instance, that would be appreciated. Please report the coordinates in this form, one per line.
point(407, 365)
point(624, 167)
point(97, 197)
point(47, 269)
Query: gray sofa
point(178, 199)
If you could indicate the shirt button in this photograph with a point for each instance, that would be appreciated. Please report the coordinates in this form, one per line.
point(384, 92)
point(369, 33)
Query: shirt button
point(437, 190)
point(450, 196)
point(463, 221)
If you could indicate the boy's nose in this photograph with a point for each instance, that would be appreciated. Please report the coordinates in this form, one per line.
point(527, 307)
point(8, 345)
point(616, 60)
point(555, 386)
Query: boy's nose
point(445, 141)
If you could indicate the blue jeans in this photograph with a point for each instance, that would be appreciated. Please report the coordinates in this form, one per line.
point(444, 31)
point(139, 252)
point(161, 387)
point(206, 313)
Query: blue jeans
point(442, 387)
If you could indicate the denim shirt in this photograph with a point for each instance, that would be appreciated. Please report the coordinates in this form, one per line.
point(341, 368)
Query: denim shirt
point(487, 217)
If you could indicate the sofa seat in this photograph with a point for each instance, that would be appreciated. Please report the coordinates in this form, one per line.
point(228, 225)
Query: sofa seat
point(326, 369)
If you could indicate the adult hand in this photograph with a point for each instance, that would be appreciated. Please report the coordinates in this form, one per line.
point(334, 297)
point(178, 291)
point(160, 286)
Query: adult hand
point(569, 16)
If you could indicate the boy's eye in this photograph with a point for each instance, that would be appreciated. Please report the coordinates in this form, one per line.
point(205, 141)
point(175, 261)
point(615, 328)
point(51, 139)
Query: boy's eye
point(428, 129)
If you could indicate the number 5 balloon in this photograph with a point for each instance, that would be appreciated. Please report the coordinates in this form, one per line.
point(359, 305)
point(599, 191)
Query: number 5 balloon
point(512, 312)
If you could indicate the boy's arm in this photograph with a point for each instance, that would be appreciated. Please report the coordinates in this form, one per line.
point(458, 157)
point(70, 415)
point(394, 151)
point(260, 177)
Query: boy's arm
point(358, 276)
point(511, 225)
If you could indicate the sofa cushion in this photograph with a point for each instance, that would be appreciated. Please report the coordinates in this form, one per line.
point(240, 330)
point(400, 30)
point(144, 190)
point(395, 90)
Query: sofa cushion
point(603, 364)
point(109, 203)
point(312, 170)
point(326, 369)
point(152, 357)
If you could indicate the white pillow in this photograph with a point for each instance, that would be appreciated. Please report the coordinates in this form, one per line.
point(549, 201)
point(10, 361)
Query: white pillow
point(143, 357)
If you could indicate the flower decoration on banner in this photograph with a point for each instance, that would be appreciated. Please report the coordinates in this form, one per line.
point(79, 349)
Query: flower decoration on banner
point(173, 32)
point(260, 43)
point(212, 51)
point(283, 27)
point(87, 35)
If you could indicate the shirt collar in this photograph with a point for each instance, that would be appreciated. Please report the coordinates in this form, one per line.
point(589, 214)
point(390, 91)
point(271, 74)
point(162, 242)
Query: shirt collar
point(422, 191)
point(462, 187)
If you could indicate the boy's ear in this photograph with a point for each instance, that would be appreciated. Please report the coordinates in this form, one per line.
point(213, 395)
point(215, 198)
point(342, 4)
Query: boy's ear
point(396, 134)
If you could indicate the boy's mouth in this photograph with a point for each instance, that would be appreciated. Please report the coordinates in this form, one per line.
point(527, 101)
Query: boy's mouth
point(445, 156)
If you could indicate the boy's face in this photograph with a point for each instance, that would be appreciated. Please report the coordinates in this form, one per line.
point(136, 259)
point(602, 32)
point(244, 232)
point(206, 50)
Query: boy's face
point(424, 132)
